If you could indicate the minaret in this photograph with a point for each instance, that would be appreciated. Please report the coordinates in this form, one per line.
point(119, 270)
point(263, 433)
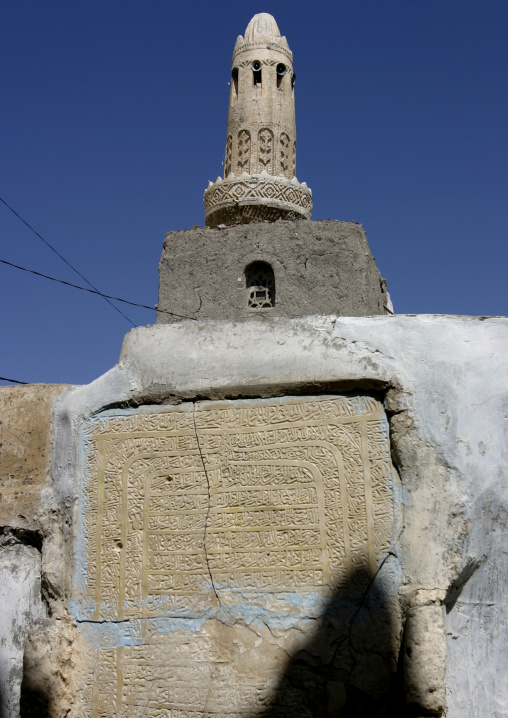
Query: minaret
point(260, 162)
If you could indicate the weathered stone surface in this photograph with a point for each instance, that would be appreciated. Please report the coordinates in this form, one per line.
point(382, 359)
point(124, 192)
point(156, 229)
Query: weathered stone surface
point(301, 649)
point(224, 498)
point(254, 198)
point(435, 377)
point(25, 450)
point(31, 522)
point(425, 659)
point(21, 605)
point(319, 268)
point(477, 615)
point(271, 512)
point(53, 668)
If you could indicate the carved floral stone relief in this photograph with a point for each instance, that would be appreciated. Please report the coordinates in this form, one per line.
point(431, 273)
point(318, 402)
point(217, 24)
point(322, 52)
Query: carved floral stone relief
point(265, 150)
point(244, 151)
point(284, 150)
point(227, 159)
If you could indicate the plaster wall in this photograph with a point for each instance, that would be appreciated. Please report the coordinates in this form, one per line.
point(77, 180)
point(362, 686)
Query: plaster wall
point(447, 423)
point(443, 382)
point(22, 606)
point(319, 268)
point(25, 451)
point(26, 524)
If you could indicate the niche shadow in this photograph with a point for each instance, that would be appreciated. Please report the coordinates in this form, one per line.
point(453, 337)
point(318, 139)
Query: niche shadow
point(349, 665)
point(37, 688)
point(34, 699)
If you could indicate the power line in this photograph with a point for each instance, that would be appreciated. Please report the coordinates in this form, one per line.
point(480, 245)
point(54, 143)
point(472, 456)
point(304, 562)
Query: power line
point(13, 381)
point(66, 262)
point(93, 291)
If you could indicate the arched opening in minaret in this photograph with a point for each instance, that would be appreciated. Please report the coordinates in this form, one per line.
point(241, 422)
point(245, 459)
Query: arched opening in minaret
point(281, 71)
point(260, 285)
point(234, 79)
point(256, 72)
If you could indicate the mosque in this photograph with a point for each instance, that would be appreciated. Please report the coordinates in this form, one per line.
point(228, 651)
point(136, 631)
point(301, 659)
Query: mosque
point(283, 500)
point(273, 260)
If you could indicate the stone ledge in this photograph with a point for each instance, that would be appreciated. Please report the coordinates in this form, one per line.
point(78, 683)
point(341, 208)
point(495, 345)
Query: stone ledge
point(251, 197)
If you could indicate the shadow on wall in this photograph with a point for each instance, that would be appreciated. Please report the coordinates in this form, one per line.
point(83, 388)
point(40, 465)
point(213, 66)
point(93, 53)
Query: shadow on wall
point(354, 664)
point(35, 691)
point(350, 666)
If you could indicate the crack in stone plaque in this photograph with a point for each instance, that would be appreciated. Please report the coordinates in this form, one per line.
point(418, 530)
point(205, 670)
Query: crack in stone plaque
point(208, 507)
point(295, 495)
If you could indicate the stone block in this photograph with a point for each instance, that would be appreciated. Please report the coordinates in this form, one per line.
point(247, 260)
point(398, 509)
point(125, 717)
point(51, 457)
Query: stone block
point(212, 533)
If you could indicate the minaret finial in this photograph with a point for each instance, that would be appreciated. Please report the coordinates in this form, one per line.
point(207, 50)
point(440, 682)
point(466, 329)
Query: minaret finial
point(260, 162)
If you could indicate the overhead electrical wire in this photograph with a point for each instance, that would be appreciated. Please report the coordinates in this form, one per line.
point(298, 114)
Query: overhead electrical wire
point(93, 289)
point(96, 291)
point(83, 289)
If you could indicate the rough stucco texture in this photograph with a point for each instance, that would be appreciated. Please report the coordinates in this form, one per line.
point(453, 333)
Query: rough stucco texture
point(20, 599)
point(25, 523)
point(443, 381)
point(24, 450)
point(319, 268)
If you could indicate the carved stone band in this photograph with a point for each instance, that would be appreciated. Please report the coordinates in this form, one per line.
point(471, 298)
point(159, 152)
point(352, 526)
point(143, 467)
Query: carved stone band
point(244, 199)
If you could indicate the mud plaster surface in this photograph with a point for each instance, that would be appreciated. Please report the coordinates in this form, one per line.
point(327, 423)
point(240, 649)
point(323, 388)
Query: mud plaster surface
point(25, 450)
point(319, 268)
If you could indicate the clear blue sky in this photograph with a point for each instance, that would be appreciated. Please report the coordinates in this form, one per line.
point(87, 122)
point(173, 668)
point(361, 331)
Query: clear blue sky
point(114, 119)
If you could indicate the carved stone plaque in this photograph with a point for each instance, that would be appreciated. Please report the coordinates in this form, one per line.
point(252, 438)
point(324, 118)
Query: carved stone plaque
point(233, 513)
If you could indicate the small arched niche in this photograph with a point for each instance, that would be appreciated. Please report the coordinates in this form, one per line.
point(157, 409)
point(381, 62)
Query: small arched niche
point(256, 73)
point(234, 80)
point(260, 285)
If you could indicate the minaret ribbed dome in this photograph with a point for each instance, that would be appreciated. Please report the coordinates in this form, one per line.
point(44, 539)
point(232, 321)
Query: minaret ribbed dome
point(260, 161)
point(262, 25)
